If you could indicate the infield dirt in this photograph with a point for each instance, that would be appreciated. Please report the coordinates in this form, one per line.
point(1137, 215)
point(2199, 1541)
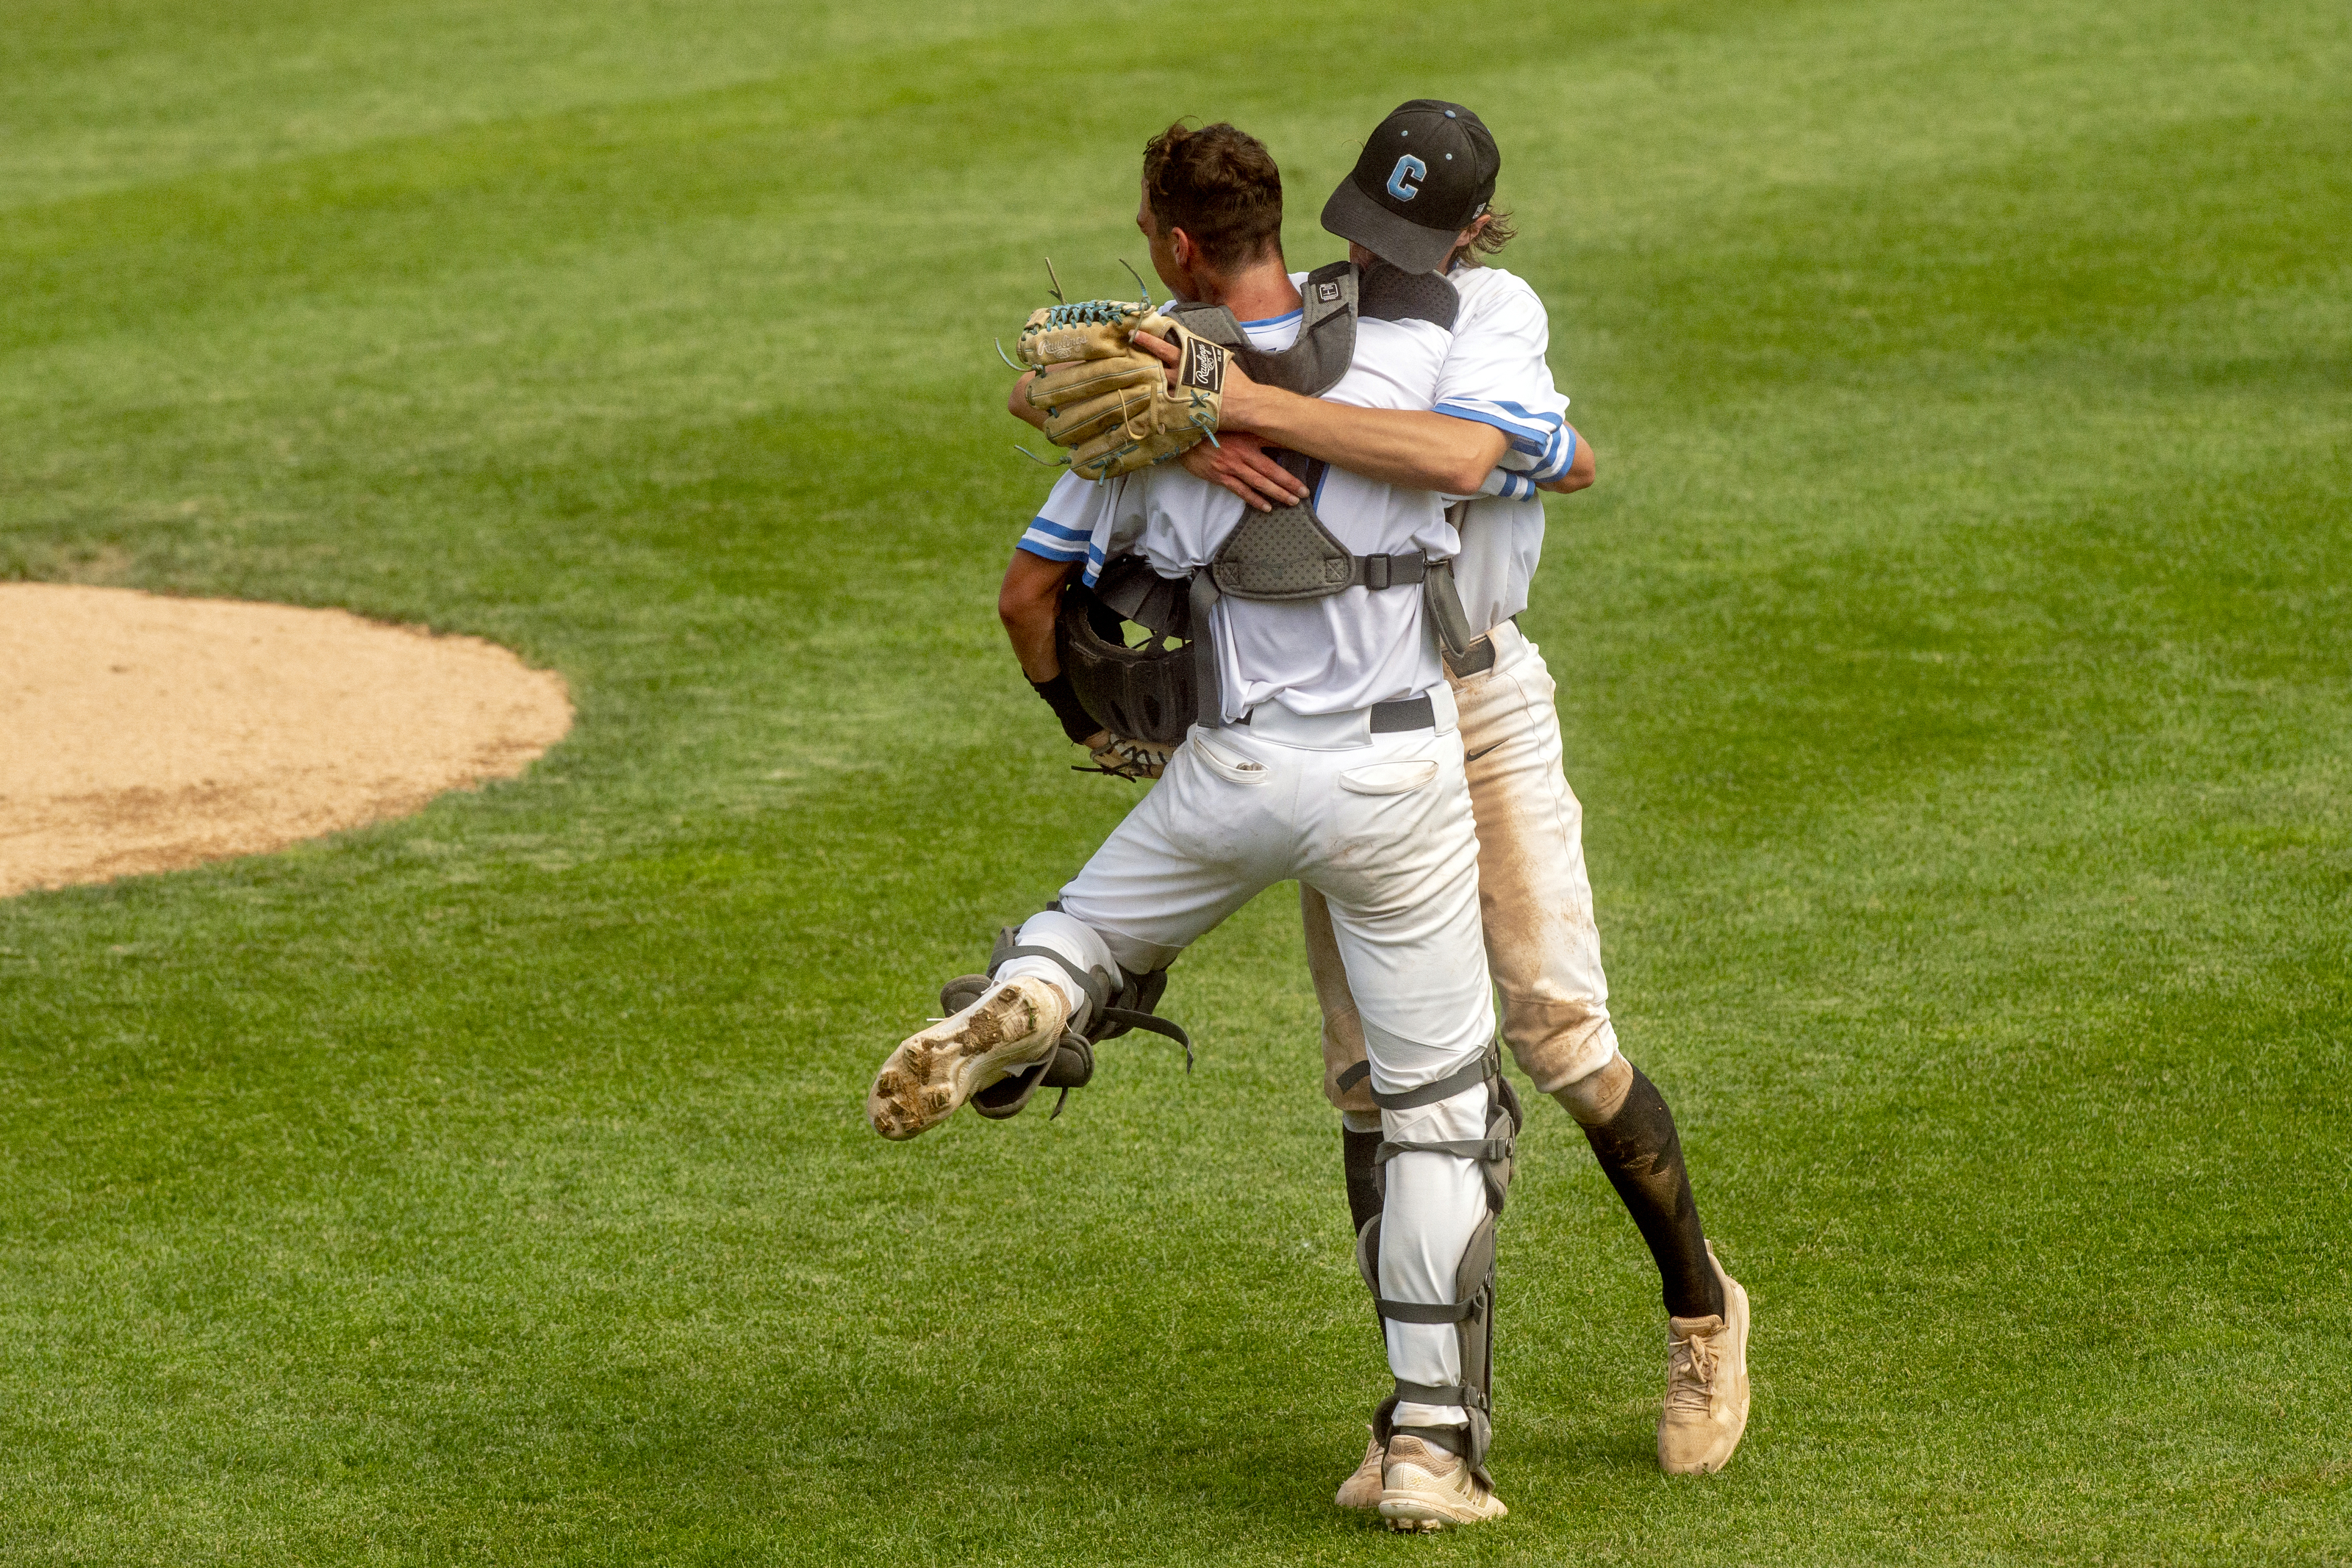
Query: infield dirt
point(145, 733)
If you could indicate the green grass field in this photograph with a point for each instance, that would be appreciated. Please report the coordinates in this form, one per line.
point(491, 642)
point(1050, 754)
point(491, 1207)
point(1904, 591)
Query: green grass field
point(1953, 664)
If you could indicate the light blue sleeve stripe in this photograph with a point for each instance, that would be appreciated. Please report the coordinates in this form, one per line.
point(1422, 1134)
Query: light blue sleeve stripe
point(1522, 439)
point(1486, 412)
point(1048, 526)
point(1049, 549)
point(1547, 472)
point(1494, 413)
point(1552, 420)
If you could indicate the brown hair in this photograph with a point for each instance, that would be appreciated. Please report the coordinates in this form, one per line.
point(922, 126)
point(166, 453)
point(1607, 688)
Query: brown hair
point(1498, 232)
point(1218, 184)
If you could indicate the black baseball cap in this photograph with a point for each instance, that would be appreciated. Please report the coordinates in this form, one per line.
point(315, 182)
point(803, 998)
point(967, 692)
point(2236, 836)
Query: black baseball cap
point(1424, 176)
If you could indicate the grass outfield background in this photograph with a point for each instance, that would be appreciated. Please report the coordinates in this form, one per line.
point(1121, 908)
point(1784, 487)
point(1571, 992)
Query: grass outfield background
point(1953, 666)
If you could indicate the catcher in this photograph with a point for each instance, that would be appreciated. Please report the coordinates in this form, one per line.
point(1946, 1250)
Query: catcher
point(1319, 746)
point(1410, 205)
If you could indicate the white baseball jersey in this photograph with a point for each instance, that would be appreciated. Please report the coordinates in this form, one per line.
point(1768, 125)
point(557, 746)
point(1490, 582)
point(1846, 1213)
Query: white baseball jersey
point(1500, 339)
point(1358, 647)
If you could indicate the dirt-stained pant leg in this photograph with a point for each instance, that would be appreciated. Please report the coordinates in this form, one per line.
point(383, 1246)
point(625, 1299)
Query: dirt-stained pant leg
point(1543, 946)
point(1343, 1026)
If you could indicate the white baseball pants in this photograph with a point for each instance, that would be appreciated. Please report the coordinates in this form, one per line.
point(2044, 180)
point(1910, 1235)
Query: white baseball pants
point(1380, 826)
point(1535, 902)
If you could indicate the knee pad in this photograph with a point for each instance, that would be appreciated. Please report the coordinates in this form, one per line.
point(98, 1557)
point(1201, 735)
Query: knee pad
point(1115, 1003)
point(1472, 1311)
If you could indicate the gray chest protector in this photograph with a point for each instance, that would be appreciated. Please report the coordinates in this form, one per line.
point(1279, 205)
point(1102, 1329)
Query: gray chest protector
point(1288, 554)
point(1155, 690)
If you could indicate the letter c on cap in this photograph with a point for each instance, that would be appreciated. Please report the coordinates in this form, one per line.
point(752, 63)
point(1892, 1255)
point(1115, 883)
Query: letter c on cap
point(1407, 168)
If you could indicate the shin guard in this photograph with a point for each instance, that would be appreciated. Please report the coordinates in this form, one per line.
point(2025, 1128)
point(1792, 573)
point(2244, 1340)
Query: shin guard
point(1472, 1311)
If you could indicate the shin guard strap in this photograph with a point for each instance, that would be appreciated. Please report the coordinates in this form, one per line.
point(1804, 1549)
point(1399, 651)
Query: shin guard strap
point(1426, 1312)
point(1469, 1076)
point(1152, 1023)
point(1094, 983)
point(1454, 1440)
point(1486, 1150)
point(1464, 1395)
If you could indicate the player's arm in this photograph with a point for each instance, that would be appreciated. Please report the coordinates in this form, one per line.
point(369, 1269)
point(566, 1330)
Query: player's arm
point(1496, 374)
point(1396, 446)
point(1027, 603)
point(1055, 547)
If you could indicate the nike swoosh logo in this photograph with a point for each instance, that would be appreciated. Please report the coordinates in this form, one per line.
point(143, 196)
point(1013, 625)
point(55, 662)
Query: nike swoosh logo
point(1482, 751)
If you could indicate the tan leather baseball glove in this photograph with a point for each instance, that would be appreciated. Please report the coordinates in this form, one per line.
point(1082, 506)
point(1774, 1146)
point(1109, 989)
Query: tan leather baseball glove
point(1108, 400)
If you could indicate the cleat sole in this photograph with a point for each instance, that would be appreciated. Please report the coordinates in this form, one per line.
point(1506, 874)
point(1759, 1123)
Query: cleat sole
point(933, 1073)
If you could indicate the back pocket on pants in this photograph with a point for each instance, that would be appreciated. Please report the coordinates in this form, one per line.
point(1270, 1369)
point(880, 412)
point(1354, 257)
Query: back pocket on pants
point(1232, 769)
point(1388, 778)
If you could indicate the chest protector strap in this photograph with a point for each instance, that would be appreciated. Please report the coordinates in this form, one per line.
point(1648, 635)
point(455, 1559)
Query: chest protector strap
point(1331, 301)
point(1326, 345)
point(1287, 555)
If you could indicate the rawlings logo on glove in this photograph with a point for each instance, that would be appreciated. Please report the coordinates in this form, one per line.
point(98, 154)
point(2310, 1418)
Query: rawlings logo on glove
point(1110, 401)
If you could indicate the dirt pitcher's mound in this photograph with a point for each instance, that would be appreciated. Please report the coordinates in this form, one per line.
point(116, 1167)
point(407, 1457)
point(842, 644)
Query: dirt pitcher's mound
point(138, 733)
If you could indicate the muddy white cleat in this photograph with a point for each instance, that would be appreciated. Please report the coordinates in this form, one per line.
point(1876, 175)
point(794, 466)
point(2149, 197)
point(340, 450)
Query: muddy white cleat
point(931, 1074)
point(1706, 1385)
point(1362, 1490)
point(1426, 1489)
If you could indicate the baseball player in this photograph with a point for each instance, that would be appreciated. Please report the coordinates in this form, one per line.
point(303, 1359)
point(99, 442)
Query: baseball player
point(1322, 749)
point(1419, 198)
point(1422, 184)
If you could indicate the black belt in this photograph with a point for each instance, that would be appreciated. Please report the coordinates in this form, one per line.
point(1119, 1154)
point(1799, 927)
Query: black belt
point(1389, 719)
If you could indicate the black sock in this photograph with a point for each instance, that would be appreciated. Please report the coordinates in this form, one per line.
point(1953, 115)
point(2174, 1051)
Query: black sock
point(1643, 1156)
point(1356, 1152)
